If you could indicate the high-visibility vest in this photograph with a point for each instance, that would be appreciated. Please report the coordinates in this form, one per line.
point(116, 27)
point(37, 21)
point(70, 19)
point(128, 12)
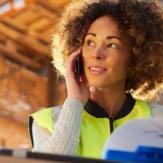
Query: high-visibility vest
point(94, 131)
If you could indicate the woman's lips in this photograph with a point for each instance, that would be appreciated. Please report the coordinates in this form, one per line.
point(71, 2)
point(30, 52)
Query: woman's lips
point(96, 70)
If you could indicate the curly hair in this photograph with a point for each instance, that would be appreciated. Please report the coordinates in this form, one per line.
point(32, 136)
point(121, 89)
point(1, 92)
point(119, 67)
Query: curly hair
point(141, 23)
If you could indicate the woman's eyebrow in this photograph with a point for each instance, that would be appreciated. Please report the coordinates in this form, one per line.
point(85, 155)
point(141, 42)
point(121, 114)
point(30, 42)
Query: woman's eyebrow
point(108, 37)
point(93, 34)
point(112, 37)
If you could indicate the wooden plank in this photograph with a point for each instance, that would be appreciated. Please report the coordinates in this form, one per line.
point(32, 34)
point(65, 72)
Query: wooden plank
point(48, 6)
point(46, 34)
point(58, 4)
point(48, 29)
point(18, 12)
point(52, 5)
point(53, 16)
point(41, 14)
point(18, 26)
point(43, 37)
point(39, 24)
point(10, 53)
point(26, 16)
point(28, 42)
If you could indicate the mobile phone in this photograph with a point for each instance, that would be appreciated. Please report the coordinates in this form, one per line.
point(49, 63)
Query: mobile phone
point(78, 68)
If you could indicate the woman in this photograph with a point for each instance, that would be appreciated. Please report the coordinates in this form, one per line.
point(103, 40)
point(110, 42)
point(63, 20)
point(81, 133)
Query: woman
point(121, 45)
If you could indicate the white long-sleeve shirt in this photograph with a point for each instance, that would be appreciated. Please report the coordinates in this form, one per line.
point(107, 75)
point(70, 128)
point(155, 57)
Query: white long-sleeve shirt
point(65, 136)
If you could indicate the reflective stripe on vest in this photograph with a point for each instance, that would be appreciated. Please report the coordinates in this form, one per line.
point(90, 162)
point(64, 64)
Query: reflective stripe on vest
point(94, 131)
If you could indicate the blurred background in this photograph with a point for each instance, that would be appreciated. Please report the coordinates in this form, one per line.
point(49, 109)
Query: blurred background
point(28, 80)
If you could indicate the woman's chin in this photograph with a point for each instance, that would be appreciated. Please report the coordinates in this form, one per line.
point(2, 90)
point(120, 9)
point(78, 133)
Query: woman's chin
point(96, 84)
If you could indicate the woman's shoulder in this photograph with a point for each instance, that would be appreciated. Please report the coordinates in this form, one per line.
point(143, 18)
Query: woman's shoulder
point(44, 113)
point(55, 112)
point(45, 117)
point(156, 105)
point(151, 104)
point(156, 109)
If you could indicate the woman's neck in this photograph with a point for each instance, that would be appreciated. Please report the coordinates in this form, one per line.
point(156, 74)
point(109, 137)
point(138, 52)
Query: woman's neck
point(110, 99)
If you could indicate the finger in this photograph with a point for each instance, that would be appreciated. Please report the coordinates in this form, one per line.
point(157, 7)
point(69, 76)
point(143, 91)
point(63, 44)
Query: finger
point(76, 52)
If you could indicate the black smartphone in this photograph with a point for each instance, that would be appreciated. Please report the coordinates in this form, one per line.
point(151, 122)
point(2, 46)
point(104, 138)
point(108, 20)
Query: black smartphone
point(78, 67)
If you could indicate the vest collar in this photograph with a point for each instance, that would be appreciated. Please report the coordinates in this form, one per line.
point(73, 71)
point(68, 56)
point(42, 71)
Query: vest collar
point(99, 112)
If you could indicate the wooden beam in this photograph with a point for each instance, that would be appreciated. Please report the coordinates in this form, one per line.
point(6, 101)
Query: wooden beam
point(20, 27)
point(25, 41)
point(10, 53)
point(39, 24)
point(48, 6)
point(40, 9)
point(58, 4)
point(24, 30)
point(43, 38)
point(26, 16)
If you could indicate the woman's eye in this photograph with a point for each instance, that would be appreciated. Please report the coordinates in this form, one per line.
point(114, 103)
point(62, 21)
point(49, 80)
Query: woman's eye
point(90, 43)
point(112, 45)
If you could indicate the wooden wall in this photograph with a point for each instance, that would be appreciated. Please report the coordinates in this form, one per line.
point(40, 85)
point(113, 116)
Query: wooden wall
point(28, 80)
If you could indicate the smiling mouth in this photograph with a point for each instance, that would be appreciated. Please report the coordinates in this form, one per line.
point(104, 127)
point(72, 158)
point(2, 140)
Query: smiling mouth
point(95, 70)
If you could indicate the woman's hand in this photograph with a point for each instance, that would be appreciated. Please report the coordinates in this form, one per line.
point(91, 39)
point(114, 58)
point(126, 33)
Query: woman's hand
point(76, 88)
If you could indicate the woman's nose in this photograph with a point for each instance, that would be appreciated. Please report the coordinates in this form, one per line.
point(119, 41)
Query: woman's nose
point(99, 54)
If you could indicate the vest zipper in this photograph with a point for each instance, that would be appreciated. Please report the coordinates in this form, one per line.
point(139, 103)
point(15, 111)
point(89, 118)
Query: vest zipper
point(111, 120)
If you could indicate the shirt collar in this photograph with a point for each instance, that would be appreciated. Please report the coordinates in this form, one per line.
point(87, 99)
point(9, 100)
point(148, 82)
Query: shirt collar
point(99, 112)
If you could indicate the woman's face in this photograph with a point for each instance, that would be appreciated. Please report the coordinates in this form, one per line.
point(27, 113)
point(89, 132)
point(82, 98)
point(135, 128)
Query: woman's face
point(105, 54)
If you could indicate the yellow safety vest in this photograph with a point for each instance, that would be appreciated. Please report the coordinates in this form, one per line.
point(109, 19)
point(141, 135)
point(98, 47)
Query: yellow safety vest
point(94, 131)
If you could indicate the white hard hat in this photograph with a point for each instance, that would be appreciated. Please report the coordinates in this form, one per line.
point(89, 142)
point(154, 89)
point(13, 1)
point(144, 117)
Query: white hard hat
point(139, 132)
